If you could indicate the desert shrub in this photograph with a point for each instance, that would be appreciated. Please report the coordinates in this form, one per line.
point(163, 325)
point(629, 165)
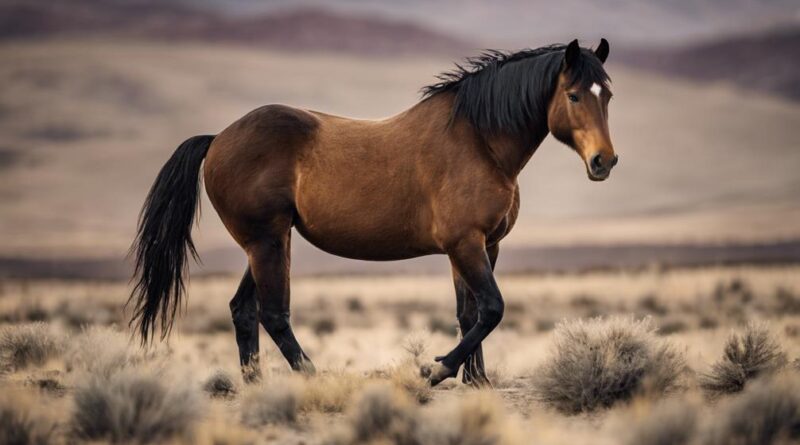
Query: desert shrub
point(672, 326)
point(133, 407)
point(354, 304)
point(20, 425)
point(380, 412)
point(443, 325)
point(748, 355)
point(330, 392)
point(406, 376)
point(479, 418)
point(544, 324)
point(599, 362)
point(276, 402)
point(415, 346)
point(27, 344)
point(220, 384)
point(48, 382)
point(786, 302)
point(383, 414)
point(767, 412)
point(707, 322)
point(103, 352)
point(673, 422)
point(651, 304)
point(323, 326)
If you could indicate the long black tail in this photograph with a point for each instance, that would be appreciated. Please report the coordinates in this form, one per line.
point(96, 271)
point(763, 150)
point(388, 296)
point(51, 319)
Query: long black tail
point(164, 239)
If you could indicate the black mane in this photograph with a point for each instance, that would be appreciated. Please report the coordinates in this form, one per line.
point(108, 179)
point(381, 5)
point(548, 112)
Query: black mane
point(508, 93)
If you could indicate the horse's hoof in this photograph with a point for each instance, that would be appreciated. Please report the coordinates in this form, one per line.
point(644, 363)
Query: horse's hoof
point(305, 367)
point(251, 375)
point(436, 373)
point(478, 382)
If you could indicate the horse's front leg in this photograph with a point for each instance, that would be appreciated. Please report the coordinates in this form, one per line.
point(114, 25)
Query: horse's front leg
point(471, 262)
point(467, 312)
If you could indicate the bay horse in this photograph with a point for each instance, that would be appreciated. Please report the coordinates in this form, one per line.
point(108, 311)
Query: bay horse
point(438, 178)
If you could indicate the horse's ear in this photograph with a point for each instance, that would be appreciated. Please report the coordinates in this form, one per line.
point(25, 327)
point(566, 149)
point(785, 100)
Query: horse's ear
point(571, 54)
point(602, 51)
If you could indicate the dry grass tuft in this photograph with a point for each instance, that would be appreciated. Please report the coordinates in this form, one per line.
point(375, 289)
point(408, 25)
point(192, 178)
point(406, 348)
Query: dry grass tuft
point(406, 377)
point(753, 353)
point(767, 412)
point(220, 384)
point(478, 418)
point(133, 407)
point(602, 361)
point(30, 344)
point(103, 351)
point(384, 414)
point(673, 422)
point(276, 402)
point(20, 425)
point(381, 413)
point(330, 392)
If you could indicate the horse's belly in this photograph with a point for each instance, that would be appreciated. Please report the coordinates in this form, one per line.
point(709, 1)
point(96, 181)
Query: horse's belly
point(377, 231)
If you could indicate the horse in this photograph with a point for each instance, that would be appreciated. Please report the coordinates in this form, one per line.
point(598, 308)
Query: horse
point(438, 178)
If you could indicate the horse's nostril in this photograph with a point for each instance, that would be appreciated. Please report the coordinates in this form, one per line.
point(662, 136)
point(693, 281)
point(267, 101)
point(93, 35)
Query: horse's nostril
point(597, 162)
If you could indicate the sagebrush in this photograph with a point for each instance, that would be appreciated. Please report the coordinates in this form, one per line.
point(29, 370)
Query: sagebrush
point(752, 353)
point(598, 362)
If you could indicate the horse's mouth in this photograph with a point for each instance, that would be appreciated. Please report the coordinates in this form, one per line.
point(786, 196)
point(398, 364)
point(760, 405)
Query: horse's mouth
point(599, 177)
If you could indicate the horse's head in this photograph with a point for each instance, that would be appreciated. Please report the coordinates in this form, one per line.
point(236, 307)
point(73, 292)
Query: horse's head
point(578, 110)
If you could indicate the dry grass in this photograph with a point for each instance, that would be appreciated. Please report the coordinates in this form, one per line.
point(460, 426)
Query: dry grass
point(134, 407)
point(369, 349)
point(384, 414)
point(670, 422)
point(602, 361)
point(220, 384)
point(330, 392)
point(767, 412)
point(479, 418)
point(753, 353)
point(26, 345)
point(103, 351)
point(381, 412)
point(276, 402)
point(21, 424)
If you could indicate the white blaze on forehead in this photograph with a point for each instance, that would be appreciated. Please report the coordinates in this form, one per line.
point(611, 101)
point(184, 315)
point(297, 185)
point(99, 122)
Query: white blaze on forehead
point(596, 89)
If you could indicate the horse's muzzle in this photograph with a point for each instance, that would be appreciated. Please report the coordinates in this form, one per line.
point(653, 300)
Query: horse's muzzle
point(599, 168)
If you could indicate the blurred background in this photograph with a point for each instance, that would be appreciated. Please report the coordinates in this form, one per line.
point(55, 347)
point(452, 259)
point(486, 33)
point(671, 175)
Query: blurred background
point(96, 95)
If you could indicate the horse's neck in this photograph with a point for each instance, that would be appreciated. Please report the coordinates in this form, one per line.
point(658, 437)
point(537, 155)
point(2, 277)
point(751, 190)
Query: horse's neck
point(509, 153)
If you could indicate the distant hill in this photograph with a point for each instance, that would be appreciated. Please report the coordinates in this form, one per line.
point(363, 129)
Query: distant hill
point(766, 61)
point(300, 29)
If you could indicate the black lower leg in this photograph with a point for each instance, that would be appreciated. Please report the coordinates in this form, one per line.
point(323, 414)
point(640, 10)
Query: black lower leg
point(269, 261)
point(244, 310)
point(279, 329)
point(474, 372)
point(471, 261)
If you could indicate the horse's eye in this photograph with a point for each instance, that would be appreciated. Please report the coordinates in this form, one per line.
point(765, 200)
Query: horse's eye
point(572, 97)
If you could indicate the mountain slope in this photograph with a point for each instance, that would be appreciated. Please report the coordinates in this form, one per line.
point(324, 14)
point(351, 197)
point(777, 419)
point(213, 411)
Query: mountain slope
point(765, 61)
point(298, 29)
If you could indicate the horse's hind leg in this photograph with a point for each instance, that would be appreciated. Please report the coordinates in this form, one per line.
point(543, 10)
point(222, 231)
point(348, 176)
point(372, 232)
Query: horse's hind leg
point(269, 263)
point(244, 309)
